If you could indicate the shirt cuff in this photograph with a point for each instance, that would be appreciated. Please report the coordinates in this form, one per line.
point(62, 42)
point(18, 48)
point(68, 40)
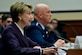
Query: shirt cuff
point(55, 45)
point(41, 51)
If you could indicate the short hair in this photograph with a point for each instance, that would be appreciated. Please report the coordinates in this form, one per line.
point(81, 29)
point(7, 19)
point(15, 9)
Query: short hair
point(18, 7)
point(5, 16)
point(53, 20)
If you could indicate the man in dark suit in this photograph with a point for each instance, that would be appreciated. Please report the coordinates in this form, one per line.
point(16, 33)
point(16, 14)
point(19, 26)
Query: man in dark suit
point(13, 36)
point(37, 31)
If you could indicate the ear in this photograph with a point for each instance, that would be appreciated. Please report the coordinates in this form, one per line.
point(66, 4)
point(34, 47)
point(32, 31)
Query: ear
point(19, 16)
point(40, 15)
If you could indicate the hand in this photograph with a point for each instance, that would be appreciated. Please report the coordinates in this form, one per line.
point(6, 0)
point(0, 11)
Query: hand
point(49, 51)
point(60, 43)
point(53, 47)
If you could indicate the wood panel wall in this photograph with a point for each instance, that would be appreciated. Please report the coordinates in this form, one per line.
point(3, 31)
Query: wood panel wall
point(73, 28)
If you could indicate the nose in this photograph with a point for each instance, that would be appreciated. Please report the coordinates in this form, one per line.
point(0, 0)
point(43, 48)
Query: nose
point(32, 17)
point(51, 14)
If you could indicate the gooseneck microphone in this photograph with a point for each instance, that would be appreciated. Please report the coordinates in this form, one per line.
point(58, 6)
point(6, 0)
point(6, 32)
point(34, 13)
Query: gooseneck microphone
point(48, 26)
point(72, 28)
point(58, 36)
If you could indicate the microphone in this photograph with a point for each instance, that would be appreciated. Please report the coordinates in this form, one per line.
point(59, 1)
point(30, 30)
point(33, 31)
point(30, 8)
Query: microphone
point(49, 26)
point(60, 37)
point(70, 27)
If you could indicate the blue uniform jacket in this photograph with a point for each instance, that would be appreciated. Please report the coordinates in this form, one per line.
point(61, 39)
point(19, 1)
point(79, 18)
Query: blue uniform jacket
point(37, 34)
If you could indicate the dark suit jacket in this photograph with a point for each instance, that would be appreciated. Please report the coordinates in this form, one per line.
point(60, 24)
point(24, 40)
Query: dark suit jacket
point(37, 34)
point(52, 37)
point(1, 29)
point(17, 44)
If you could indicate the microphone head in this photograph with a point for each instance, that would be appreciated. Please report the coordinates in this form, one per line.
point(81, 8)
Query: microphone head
point(50, 27)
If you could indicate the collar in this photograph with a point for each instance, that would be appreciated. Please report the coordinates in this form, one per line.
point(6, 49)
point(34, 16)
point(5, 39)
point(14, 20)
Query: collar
point(42, 26)
point(22, 31)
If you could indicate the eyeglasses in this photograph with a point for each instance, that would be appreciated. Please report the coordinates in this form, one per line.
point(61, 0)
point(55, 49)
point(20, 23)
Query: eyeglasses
point(9, 21)
point(54, 23)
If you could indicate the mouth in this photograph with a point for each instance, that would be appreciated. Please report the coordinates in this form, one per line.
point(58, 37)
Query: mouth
point(30, 20)
point(50, 20)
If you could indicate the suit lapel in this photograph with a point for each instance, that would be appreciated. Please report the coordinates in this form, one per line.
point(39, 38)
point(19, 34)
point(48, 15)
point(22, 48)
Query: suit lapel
point(20, 36)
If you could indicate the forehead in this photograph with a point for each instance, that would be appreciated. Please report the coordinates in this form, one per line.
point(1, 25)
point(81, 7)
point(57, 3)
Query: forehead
point(46, 8)
point(0, 16)
point(54, 21)
point(9, 18)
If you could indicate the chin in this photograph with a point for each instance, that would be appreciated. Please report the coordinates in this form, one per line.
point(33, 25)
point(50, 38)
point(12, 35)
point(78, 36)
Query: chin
point(29, 24)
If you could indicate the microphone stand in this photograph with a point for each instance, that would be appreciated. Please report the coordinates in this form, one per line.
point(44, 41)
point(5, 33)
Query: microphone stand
point(63, 39)
point(72, 28)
